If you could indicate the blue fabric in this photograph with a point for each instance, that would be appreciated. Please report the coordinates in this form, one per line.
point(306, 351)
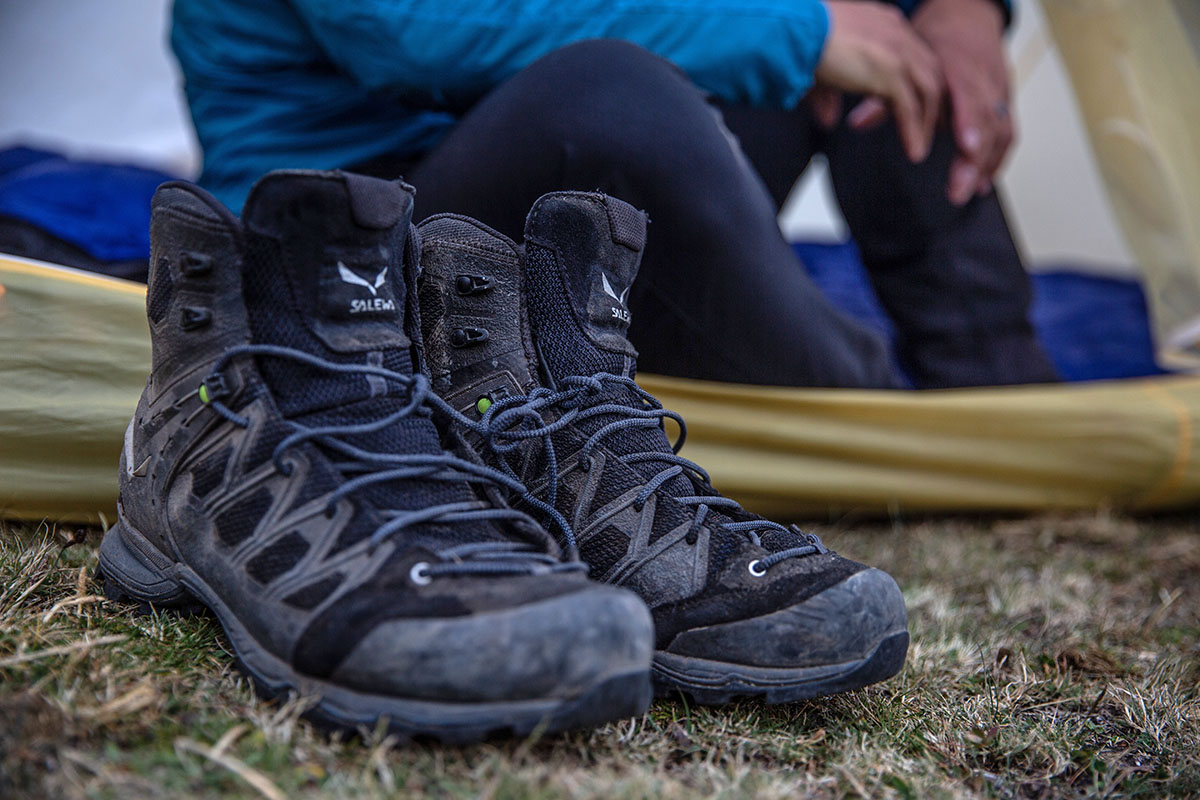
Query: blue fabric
point(1093, 328)
point(102, 208)
point(326, 83)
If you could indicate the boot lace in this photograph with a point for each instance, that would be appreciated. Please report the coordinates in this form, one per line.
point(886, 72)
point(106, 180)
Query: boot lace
point(510, 423)
point(362, 468)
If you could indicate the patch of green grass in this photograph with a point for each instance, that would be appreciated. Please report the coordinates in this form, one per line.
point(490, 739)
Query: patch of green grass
point(1051, 657)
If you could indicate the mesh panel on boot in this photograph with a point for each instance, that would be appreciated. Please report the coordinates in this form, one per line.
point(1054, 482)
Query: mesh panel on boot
point(238, 521)
point(209, 472)
point(263, 445)
point(159, 299)
point(275, 318)
point(606, 549)
point(277, 558)
point(566, 350)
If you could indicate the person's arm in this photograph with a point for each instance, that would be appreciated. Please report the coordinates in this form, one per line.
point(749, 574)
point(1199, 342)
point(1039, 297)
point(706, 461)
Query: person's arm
point(756, 52)
point(450, 52)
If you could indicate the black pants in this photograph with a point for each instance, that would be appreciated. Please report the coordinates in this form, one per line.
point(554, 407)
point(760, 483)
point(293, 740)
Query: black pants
point(720, 294)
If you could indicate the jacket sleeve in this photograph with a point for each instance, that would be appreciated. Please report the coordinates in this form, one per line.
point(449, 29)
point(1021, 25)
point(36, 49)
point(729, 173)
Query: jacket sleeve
point(450, 52)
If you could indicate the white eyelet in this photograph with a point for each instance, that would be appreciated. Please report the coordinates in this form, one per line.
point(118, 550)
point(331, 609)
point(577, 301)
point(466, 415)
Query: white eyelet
point(754, 567)
point(419, 574)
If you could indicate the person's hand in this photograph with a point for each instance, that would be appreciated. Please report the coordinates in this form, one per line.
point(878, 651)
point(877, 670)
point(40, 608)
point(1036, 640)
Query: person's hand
point(968, 38)
point(872, 49)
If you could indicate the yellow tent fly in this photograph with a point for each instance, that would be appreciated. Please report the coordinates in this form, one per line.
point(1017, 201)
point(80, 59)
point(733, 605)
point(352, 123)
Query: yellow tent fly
point(76, 352)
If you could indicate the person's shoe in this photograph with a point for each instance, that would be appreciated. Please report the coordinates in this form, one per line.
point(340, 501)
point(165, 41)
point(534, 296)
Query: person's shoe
point(531, 348)
point(283, 470)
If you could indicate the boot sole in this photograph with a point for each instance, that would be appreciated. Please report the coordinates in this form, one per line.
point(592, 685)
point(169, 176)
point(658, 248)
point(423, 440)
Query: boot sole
point(718, 682)
point(139, 573)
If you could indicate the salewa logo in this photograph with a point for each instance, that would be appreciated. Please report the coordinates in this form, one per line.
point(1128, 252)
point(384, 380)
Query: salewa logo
point(608, 290)
point(352, 279)
point(366, 306)
point(618, 313)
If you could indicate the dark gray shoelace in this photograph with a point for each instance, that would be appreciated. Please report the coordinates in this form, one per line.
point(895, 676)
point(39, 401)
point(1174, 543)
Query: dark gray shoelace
point(509, 423)
point(369, 467)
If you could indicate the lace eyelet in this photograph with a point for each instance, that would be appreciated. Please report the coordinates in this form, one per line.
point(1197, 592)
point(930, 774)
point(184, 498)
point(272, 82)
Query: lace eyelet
point(419, 574)
point(756, 568)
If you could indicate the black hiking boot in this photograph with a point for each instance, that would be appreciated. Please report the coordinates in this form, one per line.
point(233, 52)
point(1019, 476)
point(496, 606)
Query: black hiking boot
point(283, 471)
point(530, 349)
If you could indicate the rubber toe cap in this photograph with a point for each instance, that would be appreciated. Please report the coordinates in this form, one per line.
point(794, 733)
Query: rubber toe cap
point(554, 648)
point(843, 623)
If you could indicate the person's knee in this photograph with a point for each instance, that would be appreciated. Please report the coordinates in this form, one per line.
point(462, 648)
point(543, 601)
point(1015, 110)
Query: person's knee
point(611, 63)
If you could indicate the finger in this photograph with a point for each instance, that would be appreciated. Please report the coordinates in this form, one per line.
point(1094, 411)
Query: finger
point(977, 132)
point(827, 107)
point(967, 120)
point(928, 83)
point(867, 114)
point(907, 112)
point(1001, 146)
point(924, 72)
point(964, 181)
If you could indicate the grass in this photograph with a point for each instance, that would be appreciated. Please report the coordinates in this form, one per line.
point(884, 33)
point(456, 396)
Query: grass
point(1051, 657)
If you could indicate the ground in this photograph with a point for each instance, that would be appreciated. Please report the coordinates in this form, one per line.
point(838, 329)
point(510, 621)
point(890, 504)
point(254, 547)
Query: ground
point(1051, 657)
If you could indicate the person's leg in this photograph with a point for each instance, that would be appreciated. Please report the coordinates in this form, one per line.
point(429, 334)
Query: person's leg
point(720, 294)
point(780, 144)
point(950, 278)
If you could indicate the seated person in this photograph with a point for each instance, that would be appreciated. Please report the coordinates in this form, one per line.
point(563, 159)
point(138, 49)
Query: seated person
point(485, 108)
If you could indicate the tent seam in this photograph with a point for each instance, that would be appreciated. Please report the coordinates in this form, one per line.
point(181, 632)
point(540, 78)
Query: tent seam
point(1184, 433)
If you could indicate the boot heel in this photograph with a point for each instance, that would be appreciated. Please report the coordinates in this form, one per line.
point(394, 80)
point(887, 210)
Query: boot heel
point(139, 572)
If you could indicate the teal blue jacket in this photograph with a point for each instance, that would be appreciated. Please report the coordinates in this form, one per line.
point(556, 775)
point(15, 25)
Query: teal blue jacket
point(328, 83)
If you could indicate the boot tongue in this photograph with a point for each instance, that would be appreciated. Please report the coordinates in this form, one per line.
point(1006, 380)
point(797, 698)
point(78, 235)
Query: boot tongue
point(328, 261)
point(582, 254)
point(324, 250)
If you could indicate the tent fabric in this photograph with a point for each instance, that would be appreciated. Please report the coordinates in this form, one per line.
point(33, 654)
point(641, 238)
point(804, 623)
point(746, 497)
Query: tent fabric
point(1128, 444)
point(74, 355)
point(1134, 66)
point(76, 352)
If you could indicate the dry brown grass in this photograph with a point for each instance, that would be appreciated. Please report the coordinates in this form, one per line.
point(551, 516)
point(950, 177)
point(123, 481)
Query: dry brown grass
point(1051, 657)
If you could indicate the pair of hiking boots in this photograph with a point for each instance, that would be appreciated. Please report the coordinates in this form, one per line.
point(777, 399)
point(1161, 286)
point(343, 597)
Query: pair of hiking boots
point(382, 455)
